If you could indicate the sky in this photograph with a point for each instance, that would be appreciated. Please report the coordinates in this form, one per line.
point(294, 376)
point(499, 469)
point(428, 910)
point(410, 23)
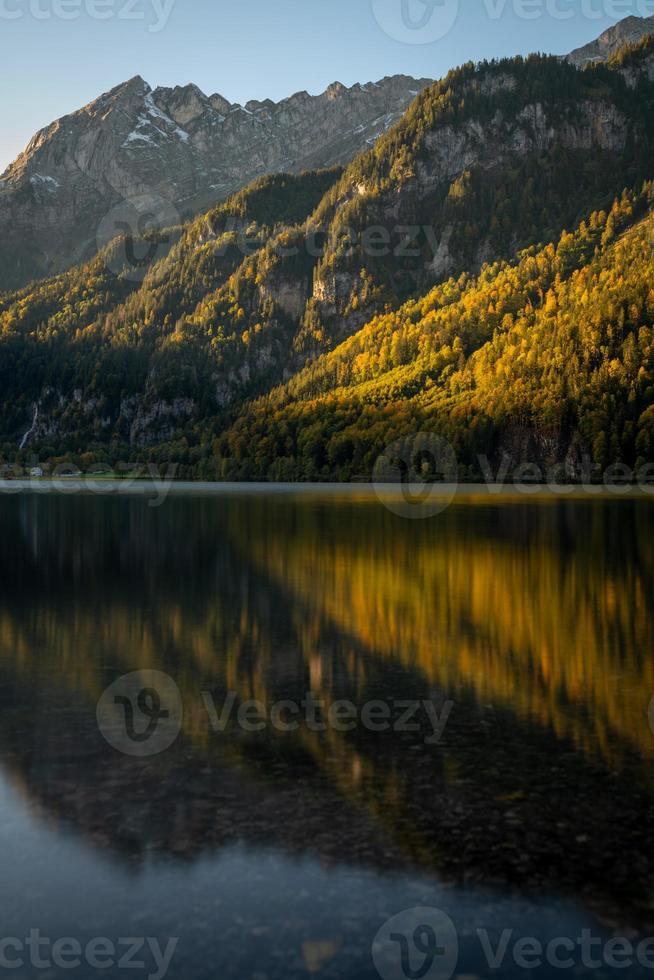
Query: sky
point(57, 55)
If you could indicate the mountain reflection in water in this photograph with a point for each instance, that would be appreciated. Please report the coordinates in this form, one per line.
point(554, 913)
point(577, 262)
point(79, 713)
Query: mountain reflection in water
point(534, 618)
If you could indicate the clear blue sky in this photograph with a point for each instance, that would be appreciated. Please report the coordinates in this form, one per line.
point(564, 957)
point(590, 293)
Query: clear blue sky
point(257, 48)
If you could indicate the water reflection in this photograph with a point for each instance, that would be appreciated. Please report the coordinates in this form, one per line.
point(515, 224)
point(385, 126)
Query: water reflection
point(535, 618)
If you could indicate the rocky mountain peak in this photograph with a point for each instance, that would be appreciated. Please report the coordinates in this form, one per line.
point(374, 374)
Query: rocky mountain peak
point(176, 145)
point(183, 104)
point(254, 105)
point(220, 104)
point(135, 84)
point(336, 89)
point(122, 96)
point(627, 31)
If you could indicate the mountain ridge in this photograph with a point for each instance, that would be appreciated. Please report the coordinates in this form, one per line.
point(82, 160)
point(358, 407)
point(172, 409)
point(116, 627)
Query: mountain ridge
point(176, 152)
point(630, 30)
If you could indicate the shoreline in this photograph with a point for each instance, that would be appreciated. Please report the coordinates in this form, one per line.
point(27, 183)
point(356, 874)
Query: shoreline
point(410, 494)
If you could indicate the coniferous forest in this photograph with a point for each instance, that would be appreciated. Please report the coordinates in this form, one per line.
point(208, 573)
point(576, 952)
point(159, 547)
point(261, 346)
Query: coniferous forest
point(484, 273)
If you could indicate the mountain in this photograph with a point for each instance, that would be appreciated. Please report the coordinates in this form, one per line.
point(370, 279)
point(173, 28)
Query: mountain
point(548, 360)
point(176, 152)
point(489, 160)
point(136, 155)
point(54, 335)
point(627, 31)
point(304, 291)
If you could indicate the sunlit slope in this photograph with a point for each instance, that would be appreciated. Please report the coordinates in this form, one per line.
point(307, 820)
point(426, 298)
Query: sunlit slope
point(548, 359)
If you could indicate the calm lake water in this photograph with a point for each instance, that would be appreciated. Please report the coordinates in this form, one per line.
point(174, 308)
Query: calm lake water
point(527, 627)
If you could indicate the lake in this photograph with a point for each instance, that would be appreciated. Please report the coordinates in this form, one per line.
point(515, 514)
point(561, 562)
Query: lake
point(339, 716)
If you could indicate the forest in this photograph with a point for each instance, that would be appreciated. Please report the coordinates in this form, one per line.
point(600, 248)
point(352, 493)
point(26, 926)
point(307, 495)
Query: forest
point(267, 340)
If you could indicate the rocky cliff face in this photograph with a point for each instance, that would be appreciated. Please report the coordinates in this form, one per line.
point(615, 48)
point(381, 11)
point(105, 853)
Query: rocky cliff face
point(481, 152)
point(627, 31)
point(172, 152)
